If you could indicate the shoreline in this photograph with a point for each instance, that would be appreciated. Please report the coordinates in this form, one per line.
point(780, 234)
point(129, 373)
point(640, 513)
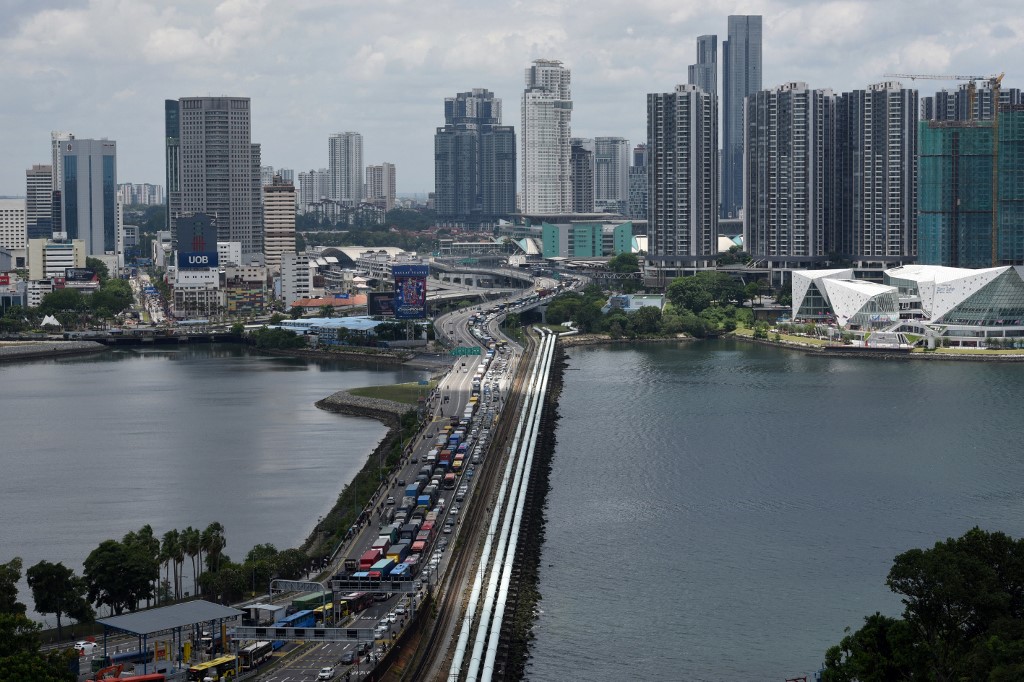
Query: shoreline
point(825, 352)
point(16, 351)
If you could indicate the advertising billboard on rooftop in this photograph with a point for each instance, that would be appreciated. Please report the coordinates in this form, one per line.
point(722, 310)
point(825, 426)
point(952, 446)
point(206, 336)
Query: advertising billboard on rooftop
point(197, 242)
point(410, 291)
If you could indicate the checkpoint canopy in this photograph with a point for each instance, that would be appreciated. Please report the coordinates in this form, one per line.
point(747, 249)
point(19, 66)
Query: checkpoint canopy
point(169, 617)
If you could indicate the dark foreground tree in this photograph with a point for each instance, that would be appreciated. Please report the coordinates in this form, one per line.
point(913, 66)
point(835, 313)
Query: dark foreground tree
point(20, 655)
point(57, 590)
point(963, 617)
point(10, 574)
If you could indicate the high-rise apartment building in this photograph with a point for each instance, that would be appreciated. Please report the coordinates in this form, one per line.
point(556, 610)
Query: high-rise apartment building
point(704, 74)
point(611, 174)
point(314, 187)
point(140, 194)
point(546, 128)
point(581, 155)
point(741, 76)
point(876, 166)
point(380, 185)
point(790, 188)
point(38, 201)
point(345, 163)
point(278, 221)
point(961, 105)
point(13, 223)
point(638, 184)
point(474, 160)
point(682, 167)
point(88, 193)
point(971, 209)
point(218, 167)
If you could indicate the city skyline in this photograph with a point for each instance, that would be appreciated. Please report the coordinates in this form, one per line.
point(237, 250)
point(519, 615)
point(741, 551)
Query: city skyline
point(402, 63)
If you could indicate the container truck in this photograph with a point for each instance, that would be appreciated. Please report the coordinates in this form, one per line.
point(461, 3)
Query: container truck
point(381, 543)
point(412, 490)
point(369, 558)
point(389, 532)
point(399, 552)
point(409, 530)
point(401, 572)
point(381, 568)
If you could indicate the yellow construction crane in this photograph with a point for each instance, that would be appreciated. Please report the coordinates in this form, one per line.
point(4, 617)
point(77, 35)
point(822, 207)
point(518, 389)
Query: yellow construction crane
point(993, 81)
point(995, 84)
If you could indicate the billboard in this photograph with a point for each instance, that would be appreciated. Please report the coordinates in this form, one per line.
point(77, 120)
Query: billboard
point(197, 242)
point(5, 278)
point(410, 291)
point(79, 275)
point(381, 303)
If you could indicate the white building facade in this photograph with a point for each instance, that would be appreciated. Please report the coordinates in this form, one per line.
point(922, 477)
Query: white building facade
point(546, 185)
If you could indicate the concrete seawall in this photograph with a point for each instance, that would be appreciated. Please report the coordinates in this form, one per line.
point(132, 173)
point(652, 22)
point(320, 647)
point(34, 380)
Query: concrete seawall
point(16, 351)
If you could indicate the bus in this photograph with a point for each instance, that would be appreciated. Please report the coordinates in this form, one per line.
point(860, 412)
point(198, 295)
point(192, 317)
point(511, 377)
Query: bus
point(254, 654)
point(218, 669)
point(359, 601)
point(318, 612)
point(449, 481)
point(302, 619)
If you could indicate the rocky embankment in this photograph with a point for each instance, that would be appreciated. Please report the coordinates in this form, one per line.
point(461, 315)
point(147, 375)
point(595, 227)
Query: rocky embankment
point(12, 351)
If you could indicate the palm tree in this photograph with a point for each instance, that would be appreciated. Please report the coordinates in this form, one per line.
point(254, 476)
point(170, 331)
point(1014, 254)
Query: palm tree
point(169, 550)
point(190, 543)
point(214, 542)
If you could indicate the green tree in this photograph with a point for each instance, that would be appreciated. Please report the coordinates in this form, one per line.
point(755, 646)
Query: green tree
point(214, 542)
point(108, 575)
point(646, 321)
point(10, 574)
point(276, 318)
point(687, 293)
point(751, 290)
point(20, 655)
point(191, 542)
point(57, 590)
point(99, 267)
point(295, 312)
point(326, 310)
point(144, 549)
point(63, 300)
point(624, 263)
point(963, 616)
point(291, 563)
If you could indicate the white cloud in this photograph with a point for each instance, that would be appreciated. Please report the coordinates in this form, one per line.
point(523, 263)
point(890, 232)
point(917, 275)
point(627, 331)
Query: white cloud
point(313, 67)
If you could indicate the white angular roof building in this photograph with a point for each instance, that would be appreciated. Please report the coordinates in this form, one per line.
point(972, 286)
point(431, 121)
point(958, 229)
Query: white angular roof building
point(961, 304)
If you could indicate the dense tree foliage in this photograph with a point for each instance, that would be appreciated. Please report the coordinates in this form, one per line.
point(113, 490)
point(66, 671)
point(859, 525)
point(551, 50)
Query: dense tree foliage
point(277, 339)
point(57, 590)
point(10, 574)
point(21, 658)
point(963, 617)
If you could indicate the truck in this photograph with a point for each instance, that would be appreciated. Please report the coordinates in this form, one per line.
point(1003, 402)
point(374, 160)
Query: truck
point(381, 568)
point(381, 543)
point(389, 532)
point(398, 552)
point(401, 571)
point(424, 501)
point(369, 558)
point(409, 530)
point(412, 490)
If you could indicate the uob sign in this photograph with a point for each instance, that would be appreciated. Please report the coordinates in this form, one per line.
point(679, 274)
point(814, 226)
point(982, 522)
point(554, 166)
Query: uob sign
point(197, 260)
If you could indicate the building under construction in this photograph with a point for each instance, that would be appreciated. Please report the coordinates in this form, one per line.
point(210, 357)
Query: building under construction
point(971, 190)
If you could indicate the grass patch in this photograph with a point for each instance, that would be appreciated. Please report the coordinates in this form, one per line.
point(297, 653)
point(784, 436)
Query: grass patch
point(408, 394)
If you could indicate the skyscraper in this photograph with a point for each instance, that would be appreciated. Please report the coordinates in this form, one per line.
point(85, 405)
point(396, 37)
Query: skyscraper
point(704, 74)
point(278, 221)
point(314, 187)
point(172, 159)
point(345, 164)
point(790, 189)
point(741, 76)
point(876, 158)
point(682, 167)
point(638, 184)
point(218, 167)
point(474, 160)
point(611, 174)
point(380, 185)
point(581, 164)
point(546, 129)
point(88, 193)
point(38, 201)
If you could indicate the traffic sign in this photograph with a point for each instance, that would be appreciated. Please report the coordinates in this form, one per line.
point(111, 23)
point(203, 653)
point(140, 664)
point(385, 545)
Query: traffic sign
point(466, 350)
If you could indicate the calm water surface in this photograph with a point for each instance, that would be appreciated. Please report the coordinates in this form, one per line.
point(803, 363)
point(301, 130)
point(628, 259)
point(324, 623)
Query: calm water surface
point(721, 511)
point(97, 446)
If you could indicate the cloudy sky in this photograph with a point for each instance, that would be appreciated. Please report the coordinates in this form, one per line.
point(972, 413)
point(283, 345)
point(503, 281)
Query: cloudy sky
point(102, 68)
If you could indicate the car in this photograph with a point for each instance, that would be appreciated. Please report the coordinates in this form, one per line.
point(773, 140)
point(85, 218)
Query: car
point(381, 632)
point(390, 500)
point(363, 648)
point(414, 459)
point(448, 527)
point(348, 658)
point(84, 648)
point(454, 511)
point(401, 611)
point(326, 673)
point(400, 483)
